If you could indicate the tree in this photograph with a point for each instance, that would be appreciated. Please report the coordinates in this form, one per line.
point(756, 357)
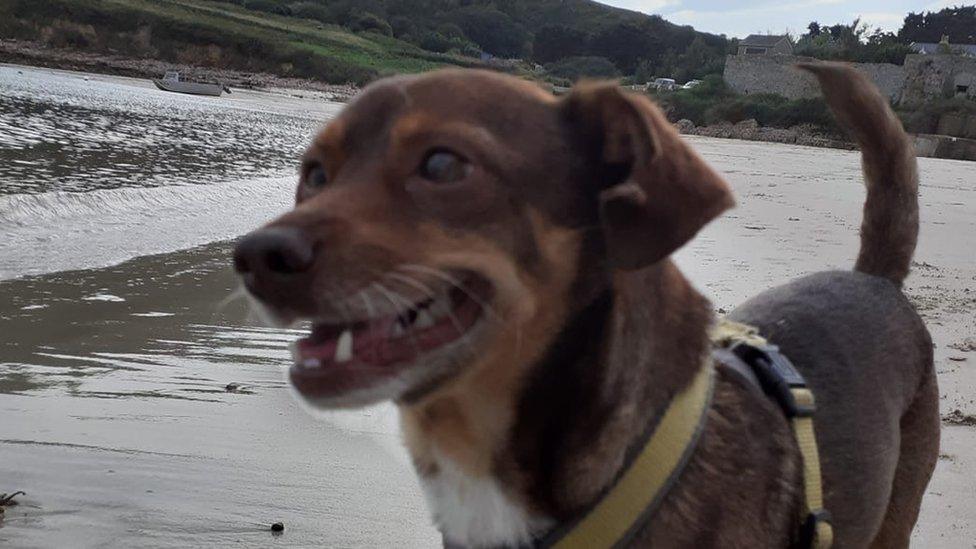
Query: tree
point(696, 61)
point(370, 22)
point(494, 31)
point(854, 42)
point(625, 44)
point(555, 42)
point(958, 23)
point(574, 68)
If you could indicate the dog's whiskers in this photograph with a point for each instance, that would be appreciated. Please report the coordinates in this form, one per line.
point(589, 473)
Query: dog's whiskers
point(438, 273)
point(406, 279)
point(392, 297)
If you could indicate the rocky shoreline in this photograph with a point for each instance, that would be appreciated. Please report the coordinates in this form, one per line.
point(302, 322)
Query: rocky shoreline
point(38, 54)
point(750, 130)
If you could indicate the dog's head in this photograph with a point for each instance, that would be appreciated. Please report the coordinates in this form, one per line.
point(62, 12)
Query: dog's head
point(442, 223)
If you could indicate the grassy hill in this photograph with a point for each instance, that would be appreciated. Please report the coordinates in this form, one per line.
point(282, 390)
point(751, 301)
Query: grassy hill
point(356, 41)
point(217, 34)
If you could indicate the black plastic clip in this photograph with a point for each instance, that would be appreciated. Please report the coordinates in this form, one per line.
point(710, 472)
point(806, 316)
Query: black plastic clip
point(808, 531)
point(777, 375)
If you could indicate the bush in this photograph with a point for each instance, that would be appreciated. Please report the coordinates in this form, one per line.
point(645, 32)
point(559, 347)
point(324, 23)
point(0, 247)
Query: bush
point(267, 6)
point(925, 118)
point(436, 42)
point(712, 102)
point(770, 110)
point(370, 22)
point(403, 26)
point(574, 68)
point(311, 10)
point(64, 34)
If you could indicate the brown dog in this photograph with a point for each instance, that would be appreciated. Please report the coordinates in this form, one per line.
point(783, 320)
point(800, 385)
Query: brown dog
point(495, 260)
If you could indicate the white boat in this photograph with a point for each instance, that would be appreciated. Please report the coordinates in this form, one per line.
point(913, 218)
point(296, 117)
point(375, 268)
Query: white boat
point(171, 82)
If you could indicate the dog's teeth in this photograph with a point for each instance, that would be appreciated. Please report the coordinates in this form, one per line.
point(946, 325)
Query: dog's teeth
point(424, 319)
point(343, 351)
point(440, 308)
point(397, 330)
point(311, 363)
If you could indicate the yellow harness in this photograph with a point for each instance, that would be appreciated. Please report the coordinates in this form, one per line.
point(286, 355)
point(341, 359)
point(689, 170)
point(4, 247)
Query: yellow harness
point(614, 520)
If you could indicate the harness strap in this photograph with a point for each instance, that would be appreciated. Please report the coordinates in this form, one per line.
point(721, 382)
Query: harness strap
point(615, 519)
point(745, 352)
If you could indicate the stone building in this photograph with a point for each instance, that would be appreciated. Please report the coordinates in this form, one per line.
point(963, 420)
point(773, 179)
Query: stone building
point(938, 76)
point(766, 44)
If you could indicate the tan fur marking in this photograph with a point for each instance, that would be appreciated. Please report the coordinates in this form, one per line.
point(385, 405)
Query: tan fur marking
point(468, 420)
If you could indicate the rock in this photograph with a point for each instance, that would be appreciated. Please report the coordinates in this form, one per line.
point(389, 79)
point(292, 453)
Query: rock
point(685, 126)
point(746, 129)
point(776, 135)
point(278, 527)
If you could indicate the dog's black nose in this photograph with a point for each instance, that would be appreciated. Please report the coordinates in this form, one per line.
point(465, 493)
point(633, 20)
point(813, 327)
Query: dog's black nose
point(274, 251)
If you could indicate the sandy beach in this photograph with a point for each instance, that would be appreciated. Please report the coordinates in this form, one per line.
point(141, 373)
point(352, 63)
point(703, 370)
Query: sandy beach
point(141, 405)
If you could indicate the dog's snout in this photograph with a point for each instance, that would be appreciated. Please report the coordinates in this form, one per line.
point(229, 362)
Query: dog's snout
point(275, 251)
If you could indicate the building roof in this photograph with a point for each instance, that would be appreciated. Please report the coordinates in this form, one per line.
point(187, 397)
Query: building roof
point(931, 47)
point(767, 40)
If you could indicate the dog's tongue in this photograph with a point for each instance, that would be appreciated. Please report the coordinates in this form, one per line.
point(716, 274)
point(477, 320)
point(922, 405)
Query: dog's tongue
point(323, 342)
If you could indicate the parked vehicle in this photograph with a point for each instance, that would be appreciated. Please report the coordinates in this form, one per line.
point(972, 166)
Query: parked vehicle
point(665, 84)
point(691, 84)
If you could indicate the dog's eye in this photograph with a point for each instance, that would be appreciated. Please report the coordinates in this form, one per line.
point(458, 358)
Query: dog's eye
point(315, 177)
point(443, 166)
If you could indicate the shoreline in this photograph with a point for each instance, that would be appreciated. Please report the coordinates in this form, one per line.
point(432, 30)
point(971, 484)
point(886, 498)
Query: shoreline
point(36, 54)
point(750, 130)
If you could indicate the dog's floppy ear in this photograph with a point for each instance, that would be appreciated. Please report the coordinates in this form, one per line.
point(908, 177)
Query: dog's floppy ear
point(655, 192)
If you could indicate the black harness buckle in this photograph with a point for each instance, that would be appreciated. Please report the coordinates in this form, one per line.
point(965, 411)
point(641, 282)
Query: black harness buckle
point(777, 375)
point(808, 531)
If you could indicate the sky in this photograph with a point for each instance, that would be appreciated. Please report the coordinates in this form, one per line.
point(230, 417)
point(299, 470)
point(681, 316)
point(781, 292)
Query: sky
point(739, 18)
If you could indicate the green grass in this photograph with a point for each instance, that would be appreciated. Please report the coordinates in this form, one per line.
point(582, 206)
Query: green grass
point(240, 39)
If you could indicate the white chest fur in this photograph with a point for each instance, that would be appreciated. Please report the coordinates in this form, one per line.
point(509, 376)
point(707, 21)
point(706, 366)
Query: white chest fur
point(475, 512)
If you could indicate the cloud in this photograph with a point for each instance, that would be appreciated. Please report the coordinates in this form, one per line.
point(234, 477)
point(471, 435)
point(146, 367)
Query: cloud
point(646, 6)
point(940, 4)
point(884, 19)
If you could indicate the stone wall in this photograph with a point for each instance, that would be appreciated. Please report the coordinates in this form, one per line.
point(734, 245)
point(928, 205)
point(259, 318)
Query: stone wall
point(929, 77)
point(944, 146)
point(957, 125)
point(923, 77)
point(776, 74)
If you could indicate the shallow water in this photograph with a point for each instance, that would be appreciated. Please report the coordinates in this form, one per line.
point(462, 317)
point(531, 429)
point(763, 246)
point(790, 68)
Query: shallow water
point(118, 422)
point(71, 132)
point(115, 413)
point(85, 159)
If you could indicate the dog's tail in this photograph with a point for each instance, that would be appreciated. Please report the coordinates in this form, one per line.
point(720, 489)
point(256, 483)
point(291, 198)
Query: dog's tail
point(889, 230)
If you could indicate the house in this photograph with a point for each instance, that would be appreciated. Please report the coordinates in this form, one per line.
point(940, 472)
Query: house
point(766, 44)
point(929, 48)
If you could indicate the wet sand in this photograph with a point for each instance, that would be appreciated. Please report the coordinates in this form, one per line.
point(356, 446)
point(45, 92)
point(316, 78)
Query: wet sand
point(117, 422)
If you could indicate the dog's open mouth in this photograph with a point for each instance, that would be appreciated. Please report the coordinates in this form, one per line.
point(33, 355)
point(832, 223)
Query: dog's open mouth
point(338, 358)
